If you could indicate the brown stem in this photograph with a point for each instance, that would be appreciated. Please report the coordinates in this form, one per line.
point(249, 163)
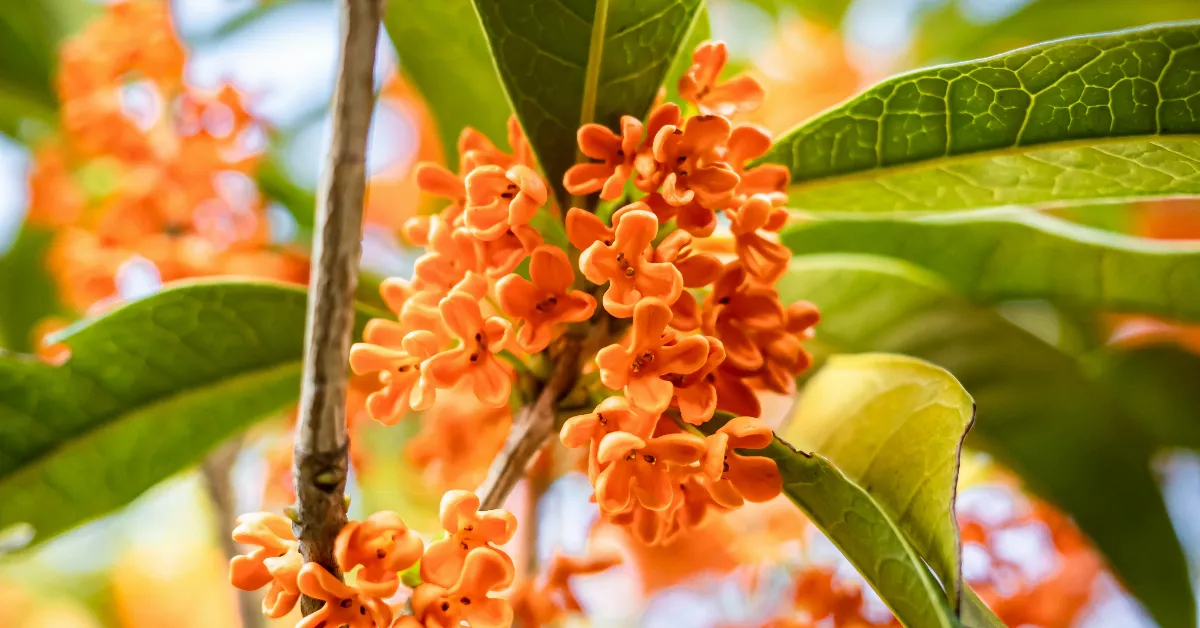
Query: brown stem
point(320, 452)
point(215, 469)
point(535, 423)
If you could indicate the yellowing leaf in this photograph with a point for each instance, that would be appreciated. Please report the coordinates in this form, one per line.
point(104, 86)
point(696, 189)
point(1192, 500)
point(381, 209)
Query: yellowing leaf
point(895, 426)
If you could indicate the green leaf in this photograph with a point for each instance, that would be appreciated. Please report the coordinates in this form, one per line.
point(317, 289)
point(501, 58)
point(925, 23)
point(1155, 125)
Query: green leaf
point(894, 425)
point(148, 389)
point(29, 291)
point(1003, 255)
point(949, 35)
point(700, 32)
point(1091, 118)
point(30, 33)
point(1157, 384)
point(558, 76)
point(1039, 413)
point(855, 523)
point(444, 53)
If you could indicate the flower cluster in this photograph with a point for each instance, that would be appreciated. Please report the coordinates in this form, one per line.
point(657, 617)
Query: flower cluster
point(147, 165)
point(706, 331)
point(467, 316)
point(703, 333)
point(459, 572)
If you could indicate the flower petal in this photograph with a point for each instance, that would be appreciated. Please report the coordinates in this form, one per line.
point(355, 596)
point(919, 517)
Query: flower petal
point(551, 270)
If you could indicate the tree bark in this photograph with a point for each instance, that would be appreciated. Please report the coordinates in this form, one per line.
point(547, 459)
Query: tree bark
point(320, 462)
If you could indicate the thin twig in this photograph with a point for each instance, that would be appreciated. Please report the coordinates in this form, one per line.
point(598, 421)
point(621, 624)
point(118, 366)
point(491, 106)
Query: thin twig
point(321, 442)
point(536, 423)
point(216, 469)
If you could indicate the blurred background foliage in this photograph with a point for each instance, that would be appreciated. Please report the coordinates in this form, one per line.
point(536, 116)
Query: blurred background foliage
point(159, 561)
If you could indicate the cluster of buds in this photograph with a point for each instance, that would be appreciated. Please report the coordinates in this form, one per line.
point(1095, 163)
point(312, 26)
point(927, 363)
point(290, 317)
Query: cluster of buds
point(685, 358)
point(459, 573)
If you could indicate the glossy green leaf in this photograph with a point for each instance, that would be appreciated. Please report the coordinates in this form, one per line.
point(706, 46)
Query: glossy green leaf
point(29, 291)
point(30, 33)
point(1011, 254)
point(855, 523)
point(894, 425)
point(1038, 411)
point(1091, 118)
point(1158, 385)
point(701, 32)
point(444, 53)
point(558, 76)
point(948, 35)
point(149, 388)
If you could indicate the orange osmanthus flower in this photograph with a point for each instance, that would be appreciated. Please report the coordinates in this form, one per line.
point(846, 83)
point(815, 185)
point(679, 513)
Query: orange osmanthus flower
point(695, 172)
point(616, 151)
point(784, 355)
point(548, 602)
point(737, 308)
point(399, 369)
point(446, 458)
point(762, 257)
point(277, 561)
point(623, 155)
point(383, 545)
point(452, 254)
point(469, 529)
point(466, 599)
point(614, 414)
point(272, 534)
point(475, 358)
point(638, 469)
point(696, 393)
point(499, 201)
point(746, 143)
point(733, 477)
point(626, 266)
point(697, 270)
point(642, 364)
point(345, 605)
point(545, 302)
point(699, 86)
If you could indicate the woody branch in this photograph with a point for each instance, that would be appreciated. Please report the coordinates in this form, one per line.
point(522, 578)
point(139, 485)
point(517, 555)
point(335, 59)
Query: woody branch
point(320, 460)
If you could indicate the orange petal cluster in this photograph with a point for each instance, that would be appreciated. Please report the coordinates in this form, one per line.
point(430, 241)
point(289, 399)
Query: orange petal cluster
point(148, 166)
point(447, 329)
point(547, 599)
point(459, 572)
point(703, 334)
point(1057, 599)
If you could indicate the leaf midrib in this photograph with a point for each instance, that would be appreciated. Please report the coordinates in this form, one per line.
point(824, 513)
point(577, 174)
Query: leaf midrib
point(937, 163)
